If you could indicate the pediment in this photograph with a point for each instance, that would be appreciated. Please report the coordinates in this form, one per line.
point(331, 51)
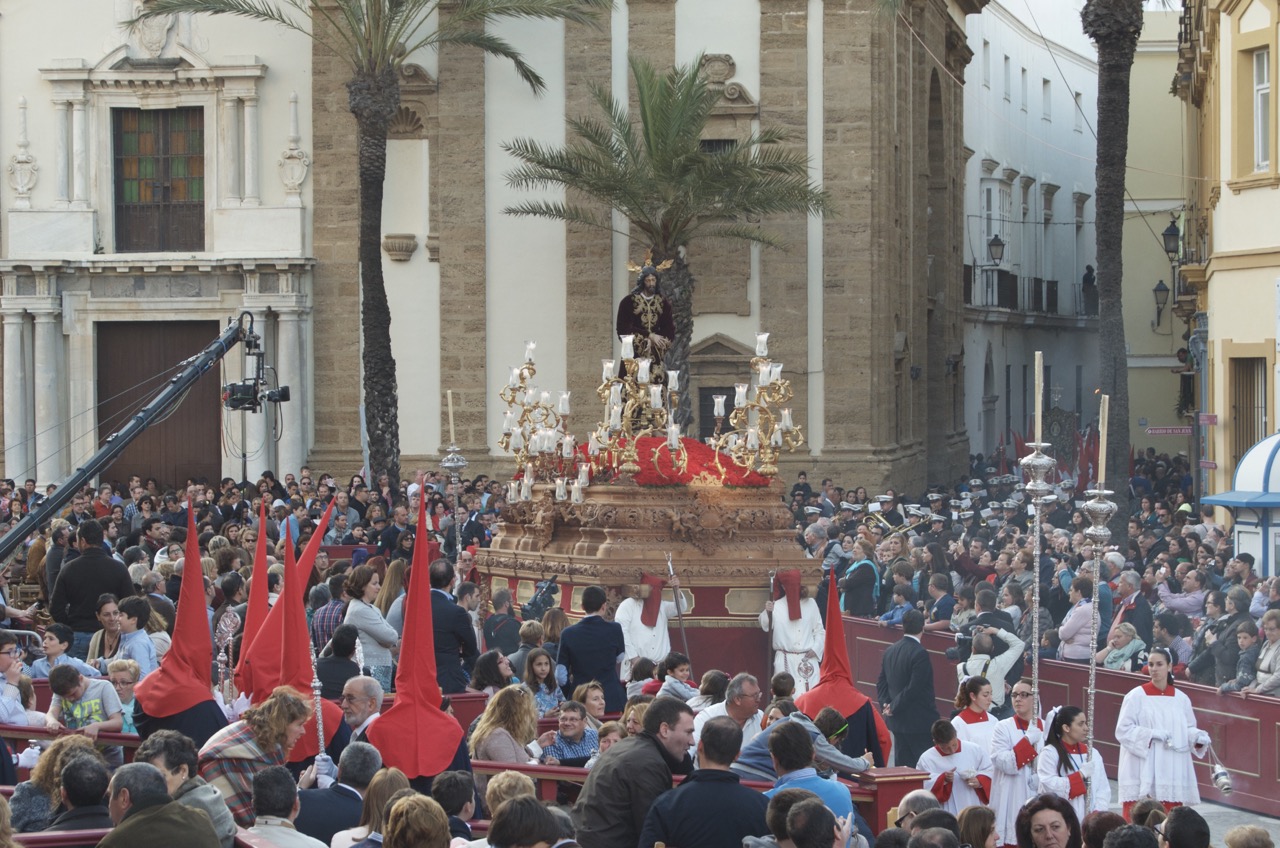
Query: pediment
point(720, 346)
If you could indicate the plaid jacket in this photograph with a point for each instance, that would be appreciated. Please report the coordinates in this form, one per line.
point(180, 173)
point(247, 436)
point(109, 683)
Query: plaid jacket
point(228, 762)
point(324, 621)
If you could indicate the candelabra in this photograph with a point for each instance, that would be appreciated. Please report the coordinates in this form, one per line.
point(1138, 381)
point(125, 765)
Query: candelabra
point(635, 406)
point(1098, 509)
point(761, 425)
point(536, 431)
point(1035, 470)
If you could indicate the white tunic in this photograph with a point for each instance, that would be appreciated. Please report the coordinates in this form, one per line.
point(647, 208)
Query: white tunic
point(793, 639)
point(975, 728)
point(1089, 766)
point(957, 795)
point(1012, 785)
point(640, 641)
point(1157, 735)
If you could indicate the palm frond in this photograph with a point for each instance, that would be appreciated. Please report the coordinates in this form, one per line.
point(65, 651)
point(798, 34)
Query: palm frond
point(492, 44)
point(567, 212)
point(573, 11)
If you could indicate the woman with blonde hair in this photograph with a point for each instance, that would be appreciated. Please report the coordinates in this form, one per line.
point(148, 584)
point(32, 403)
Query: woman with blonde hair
point(509, 723)
point(264, 737)
point(393, 586)
point(35, 799)
point(385, 783)
point(416, 822)
point(1123, 651)
point(591, 696)
point(1248, 836)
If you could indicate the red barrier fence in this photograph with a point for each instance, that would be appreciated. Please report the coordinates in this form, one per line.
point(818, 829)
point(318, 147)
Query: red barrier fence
point(1245, 733)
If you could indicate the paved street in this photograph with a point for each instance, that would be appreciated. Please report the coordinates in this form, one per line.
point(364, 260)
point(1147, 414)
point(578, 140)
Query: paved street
point(1222, 818)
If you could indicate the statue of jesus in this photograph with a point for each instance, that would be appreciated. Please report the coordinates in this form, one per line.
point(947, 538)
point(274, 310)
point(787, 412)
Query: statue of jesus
point(646, 314)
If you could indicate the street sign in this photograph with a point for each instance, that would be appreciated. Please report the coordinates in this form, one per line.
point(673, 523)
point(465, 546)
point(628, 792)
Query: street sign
point(1208, 463)
point(1208, 419)
point(1168, 431)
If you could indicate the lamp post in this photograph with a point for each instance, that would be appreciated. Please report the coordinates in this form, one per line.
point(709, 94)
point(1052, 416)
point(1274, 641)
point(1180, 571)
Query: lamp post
point(1161, 292)
point(995, 252)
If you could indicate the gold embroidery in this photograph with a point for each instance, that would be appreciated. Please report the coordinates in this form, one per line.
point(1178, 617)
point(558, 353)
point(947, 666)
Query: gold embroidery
point(648, 309)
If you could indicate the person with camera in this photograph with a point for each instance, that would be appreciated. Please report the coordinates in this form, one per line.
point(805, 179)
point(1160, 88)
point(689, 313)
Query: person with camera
point(501, 629)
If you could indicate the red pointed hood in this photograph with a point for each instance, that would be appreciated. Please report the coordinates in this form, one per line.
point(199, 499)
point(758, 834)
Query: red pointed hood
point(652, 604)
point(295, 642)
point(414, 735)
point(260, 660)
point(256, 613)
point(184, 677)
point(789, 584)
point(835, 682)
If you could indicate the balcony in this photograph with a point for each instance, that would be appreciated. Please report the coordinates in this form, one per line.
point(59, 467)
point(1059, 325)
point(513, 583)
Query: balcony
point(1002, 297)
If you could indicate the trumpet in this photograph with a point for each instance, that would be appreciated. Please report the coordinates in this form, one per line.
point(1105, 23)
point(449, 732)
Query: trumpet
point(884, 524)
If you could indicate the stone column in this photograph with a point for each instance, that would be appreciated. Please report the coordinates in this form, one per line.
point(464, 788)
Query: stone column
point(292, 449)
point(250, 190)
point(63, 180)
point(257, 427)
point(228, 167)
point(17, 429)
point(79, 155)
point(50, 456)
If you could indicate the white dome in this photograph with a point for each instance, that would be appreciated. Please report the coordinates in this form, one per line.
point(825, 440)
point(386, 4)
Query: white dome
point(1259, 470)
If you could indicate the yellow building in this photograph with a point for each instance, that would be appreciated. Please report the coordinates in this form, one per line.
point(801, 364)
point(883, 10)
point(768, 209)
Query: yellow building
point(1230, 242)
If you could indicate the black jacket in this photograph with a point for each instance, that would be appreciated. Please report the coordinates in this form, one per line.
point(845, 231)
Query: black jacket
point(501, 631)
point(589, 651)
point(906, 685)
point(709, 809)
point(83, 818)
point(455, 643)
point(324, 812)
point(74, 600)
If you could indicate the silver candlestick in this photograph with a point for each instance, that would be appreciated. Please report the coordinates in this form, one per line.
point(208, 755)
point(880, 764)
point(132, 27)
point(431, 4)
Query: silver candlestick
point(1098, 509)
point(1035, 469)
point(455, 463)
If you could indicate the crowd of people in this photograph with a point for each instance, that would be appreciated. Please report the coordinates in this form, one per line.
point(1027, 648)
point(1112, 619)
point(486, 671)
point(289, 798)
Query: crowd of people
point(1175, 604)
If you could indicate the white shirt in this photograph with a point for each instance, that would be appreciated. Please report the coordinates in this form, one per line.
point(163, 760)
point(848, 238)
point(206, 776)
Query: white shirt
point(750, 728)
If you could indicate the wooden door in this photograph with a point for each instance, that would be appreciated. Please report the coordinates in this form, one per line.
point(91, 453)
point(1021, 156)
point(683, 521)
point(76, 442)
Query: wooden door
point(135, 361)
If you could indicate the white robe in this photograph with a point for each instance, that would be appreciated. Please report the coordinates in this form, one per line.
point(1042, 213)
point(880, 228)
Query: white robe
point(1150, 764)
point(961, 795)
point(1011, 785)
point(1091, 768)
point(793, 639)
point(640, 641)
point(976, 732)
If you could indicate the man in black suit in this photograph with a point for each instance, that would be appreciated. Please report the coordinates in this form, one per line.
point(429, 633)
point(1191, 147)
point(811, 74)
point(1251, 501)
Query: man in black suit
point(324, 812)
point(455, 638)
point(592, 649)
point(905, 689)
point(74, 599)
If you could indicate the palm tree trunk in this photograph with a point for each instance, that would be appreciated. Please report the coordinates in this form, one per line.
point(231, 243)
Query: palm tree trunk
point(677, 286)
point(373, 100)
point(1114, 25)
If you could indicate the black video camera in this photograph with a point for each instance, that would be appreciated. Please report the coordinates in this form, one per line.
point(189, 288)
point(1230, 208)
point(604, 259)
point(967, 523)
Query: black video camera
point(544, 597)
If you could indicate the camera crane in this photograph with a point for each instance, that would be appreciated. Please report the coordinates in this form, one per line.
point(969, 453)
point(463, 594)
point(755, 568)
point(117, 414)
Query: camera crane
point(246, 395)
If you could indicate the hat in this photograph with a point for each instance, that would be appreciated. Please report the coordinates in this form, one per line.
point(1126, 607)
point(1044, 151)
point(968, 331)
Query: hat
point(381, 518)
point(1186, 507)
point(935, 496)
point(1068, 483)
point(856, 508)
point(936, 517)
point(414, 488)
point(995, 504)
point(966, 515)
point(1009, 505)
point(884, 498)
point(975, 482)
point(846, 505)
point(812, 510)
point(991, 469)
point(278, 503)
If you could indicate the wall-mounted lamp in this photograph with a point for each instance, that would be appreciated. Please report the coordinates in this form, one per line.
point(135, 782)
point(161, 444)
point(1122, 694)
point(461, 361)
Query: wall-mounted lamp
point(1172, 238)
point(995, 250)
point(1161, 293)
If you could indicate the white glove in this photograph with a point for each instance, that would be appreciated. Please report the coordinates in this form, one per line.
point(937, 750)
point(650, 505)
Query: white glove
point(325, 766)
point(27, 759)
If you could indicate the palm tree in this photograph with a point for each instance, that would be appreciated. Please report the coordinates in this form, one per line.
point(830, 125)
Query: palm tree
point(1114, 26)
point(671, 191)
point(377, 37)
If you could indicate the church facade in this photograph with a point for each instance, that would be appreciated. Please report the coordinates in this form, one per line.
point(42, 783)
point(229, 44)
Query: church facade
point(256, 211)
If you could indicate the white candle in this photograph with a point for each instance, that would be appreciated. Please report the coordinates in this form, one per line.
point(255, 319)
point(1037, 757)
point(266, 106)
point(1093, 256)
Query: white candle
point(719, 405)
point(786, 419)
point(593, 445)
point(577, 491)
point(615, 394)
point(628, 347)
point(515, 378)
point(452, 440)
point(753, 438)
point(673, 437)
point(673, 380)
point(526, 489)
point(776, 438)
point(762, 344)
point(740, 395)
point(508, 418)
point(775, 373)
point(584, 471)
point(563, 408)
point(567, 444)
point(642, 370)
point(562, 492)
point(546, 397)
point(517, 439)
point(655, 397)
point(1039, 392)
point(615, 417)
point(765, 371)
point(528, 351)
point(606, 370)
point(513, 489)
point(1103, 413)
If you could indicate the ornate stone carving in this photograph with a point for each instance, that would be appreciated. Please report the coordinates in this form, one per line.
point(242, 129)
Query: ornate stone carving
point(153, 33)
point(735, 100)
point(23, 170)
point(405, 123)
point(399, 246)
point(294, 163)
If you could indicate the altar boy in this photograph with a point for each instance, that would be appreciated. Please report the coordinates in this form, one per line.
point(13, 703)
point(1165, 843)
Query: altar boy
point(959, 774)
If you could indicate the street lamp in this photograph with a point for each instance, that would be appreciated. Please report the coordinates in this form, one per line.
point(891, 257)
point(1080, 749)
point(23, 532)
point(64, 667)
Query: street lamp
point(995, 250)
point(1161, 292)
point(1171, 237)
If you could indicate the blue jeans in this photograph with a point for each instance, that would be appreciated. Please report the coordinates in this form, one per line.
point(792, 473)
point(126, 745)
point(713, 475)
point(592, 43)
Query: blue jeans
point(80, 645)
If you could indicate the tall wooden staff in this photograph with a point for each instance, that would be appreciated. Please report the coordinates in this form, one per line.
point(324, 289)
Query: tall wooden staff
point(684, 637)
